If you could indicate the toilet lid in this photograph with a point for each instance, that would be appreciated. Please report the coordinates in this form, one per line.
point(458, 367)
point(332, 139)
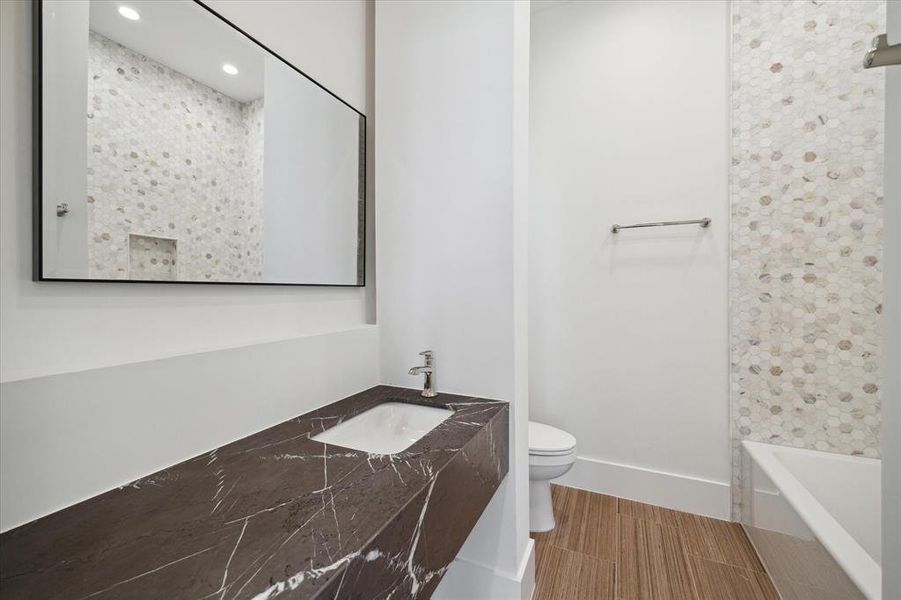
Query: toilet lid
point(547, 440)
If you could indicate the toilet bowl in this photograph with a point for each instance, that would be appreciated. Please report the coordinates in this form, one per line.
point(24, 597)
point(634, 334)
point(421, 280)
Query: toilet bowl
point(552, 453)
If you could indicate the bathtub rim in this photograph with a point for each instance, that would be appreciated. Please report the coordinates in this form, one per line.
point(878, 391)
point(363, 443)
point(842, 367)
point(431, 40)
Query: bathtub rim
point(858, 565)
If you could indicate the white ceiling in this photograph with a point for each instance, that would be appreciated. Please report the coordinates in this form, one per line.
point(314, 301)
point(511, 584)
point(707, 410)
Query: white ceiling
point(185, 37)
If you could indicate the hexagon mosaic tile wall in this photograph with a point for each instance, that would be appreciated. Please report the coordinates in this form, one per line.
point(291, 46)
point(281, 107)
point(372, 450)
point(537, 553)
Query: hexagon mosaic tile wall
point(806, 199)
point(194, 164)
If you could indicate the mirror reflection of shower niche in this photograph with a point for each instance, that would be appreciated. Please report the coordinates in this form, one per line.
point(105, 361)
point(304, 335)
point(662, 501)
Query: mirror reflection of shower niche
point(152, 258)
point(187, 152)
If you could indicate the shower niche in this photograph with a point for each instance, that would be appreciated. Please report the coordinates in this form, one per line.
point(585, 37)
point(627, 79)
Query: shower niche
point(152, 258)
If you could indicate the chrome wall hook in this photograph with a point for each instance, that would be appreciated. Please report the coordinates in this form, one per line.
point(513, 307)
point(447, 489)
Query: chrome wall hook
point(882, 53)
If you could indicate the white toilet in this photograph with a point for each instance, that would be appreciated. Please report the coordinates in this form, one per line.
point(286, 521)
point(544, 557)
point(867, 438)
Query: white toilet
point(552, 453)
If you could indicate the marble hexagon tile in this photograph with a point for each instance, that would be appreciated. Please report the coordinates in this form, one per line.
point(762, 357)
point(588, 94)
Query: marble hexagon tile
point(806, 202)
point(171, 157)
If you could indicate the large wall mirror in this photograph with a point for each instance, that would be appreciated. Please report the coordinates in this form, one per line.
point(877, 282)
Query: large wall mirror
point(173, 147)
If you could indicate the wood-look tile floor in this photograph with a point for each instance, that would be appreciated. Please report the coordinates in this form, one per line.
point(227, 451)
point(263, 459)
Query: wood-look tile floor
point(607, 548)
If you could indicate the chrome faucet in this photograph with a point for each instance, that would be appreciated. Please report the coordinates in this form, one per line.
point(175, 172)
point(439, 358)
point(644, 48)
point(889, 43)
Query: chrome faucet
point(428, 390)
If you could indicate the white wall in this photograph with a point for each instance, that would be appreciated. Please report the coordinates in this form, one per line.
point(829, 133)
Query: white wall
point(65, 438)
point(891, 327)
point(451, 100)
point(310, 189)
point(61, 327)
point(168, 337)
point(628, 332)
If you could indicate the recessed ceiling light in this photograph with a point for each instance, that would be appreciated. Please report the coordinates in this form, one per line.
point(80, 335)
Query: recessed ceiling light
point(230, 69)
point(129, 13)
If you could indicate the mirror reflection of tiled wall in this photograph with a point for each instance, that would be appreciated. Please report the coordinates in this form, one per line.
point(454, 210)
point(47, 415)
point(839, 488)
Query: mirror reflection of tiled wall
point(170, 157)
point(806, 197)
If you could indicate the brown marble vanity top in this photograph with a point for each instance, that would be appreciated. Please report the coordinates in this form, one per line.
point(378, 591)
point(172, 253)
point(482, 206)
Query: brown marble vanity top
point(277, 514)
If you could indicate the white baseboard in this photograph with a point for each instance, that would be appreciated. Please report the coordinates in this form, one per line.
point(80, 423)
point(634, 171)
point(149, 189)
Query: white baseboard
point(469, 580)
point(671, 490)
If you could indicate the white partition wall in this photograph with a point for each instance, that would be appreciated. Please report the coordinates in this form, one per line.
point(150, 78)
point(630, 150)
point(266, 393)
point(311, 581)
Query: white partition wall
point(451, 146)
point(628, 331)
point(65, 438)
point(50, 328)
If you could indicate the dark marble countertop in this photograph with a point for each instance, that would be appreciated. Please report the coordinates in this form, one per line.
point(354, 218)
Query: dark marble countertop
point(277, 514)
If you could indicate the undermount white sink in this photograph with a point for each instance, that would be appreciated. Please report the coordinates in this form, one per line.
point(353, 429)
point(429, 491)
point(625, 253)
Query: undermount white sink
point(388, 428)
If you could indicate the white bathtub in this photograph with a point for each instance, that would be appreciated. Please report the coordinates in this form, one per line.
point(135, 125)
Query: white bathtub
point(814, 519)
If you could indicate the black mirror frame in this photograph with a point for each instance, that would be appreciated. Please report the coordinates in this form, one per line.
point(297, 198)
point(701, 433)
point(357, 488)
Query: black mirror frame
point(37, 170)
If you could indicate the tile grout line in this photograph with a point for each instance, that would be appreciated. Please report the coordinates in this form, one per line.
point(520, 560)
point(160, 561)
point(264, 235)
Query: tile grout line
point(680, 530)
point(725, 564)
point(616, 548)
point(692, 576)
point(728, 564)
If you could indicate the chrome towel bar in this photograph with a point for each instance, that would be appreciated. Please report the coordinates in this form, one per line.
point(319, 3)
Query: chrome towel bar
point(705, 222)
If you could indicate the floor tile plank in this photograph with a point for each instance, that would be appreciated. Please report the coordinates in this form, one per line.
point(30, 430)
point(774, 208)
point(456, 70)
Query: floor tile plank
point(712, 539)
point(586, 522)
point(718, 581)
point(650, 512)
point(605, 547)
point(720, 541)
point(652, 563)
point(562, 574)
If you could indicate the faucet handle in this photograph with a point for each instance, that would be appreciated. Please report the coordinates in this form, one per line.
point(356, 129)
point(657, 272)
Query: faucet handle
point(428, 356)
